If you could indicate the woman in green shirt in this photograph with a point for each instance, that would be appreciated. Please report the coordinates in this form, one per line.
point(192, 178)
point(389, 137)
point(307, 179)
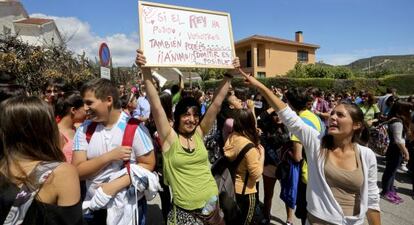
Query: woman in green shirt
point(370, 109)
point(186, 166)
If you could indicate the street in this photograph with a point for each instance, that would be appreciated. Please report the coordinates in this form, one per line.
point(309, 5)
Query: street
point(402, 214)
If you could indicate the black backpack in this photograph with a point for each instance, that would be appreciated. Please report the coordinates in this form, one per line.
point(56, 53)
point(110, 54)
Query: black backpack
point(224, 173)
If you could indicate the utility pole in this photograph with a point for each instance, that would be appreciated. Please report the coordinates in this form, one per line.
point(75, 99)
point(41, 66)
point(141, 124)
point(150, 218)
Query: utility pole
point(369, 66)
point(189, 77)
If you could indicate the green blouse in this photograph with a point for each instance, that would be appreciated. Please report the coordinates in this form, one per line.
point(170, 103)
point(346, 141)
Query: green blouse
point(369, 112)
point(189, 175)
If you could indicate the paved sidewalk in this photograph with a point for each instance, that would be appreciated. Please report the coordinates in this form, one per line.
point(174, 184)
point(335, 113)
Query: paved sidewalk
point(402, 214)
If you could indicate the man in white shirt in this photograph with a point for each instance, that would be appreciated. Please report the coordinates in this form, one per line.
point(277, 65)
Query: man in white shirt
point(143, 110)
point(103, 155)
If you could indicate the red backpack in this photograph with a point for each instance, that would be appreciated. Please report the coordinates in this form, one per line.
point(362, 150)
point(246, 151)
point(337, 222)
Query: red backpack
point(127, 139)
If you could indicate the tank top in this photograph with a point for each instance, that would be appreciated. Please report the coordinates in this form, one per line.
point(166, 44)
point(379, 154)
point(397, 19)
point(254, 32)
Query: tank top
point(189, 174)
point(38, 212)
point(346, 185)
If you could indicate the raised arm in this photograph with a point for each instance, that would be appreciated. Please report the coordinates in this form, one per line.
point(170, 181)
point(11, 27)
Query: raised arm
point(214, 108)
point(180, 78)
point(272, 99)
point(161, 121)
point(304, 132)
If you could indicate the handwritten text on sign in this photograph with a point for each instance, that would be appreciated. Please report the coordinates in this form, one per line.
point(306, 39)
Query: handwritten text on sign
point(182, 37)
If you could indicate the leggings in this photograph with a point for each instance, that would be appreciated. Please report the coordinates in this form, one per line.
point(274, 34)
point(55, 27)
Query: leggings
point(247, 205)
point(394, 159)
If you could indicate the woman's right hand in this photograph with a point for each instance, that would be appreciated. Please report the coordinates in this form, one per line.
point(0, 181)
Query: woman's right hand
point(249, 79)
point(140, 60)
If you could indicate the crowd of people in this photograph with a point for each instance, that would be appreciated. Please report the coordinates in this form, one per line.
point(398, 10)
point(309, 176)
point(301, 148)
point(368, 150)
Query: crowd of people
point(98, 154)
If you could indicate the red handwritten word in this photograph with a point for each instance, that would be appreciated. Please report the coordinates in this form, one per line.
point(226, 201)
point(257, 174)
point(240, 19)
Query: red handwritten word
point(173, 57)
point(165, 44)
point(176, 19)
point(195, 21)
point(163, 30)
point(207, 61)
point(196, 57)
point(215, 24)
point(162, 17)
point(203, 36)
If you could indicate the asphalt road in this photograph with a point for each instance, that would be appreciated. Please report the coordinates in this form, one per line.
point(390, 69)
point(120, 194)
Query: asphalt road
point(402, 214)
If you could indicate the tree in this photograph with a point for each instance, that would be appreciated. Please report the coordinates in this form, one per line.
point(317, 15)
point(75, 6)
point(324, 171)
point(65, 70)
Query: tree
point(207, 73)
point(34, 65)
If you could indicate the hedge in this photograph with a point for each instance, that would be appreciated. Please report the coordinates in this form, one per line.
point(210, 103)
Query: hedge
point(403, 83)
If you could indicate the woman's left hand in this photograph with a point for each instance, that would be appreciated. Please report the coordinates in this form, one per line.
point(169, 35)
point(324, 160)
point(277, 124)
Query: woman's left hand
point(236, 63)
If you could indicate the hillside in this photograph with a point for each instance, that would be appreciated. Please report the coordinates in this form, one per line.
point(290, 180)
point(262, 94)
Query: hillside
point(382, 65)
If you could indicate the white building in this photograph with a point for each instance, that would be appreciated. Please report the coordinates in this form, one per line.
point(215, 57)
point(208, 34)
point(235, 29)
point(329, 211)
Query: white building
point(14, 20)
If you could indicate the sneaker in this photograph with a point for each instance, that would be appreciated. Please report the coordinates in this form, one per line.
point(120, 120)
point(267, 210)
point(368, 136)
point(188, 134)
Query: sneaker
point(396, 196)
point(389, 197)
point(403, 167)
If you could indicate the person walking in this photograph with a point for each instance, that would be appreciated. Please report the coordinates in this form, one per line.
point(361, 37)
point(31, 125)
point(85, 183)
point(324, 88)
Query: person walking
point(342, 183)
point(250, 168)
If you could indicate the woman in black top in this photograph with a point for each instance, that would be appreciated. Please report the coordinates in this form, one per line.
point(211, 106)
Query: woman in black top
point(30, 140)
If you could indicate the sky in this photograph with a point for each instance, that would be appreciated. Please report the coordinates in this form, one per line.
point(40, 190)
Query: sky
point(345, 30)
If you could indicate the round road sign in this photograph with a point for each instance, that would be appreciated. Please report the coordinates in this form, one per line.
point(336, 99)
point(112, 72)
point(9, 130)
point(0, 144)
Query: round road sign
point(104, 55)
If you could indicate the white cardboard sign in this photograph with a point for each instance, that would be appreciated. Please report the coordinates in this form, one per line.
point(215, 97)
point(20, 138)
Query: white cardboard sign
point(105, 73)
point(173, 36)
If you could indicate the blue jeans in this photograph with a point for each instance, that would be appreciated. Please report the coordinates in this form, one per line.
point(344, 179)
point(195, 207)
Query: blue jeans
point(142, 211)
point(394, 159)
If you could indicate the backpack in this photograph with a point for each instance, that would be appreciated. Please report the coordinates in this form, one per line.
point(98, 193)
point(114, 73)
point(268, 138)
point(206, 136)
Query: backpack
point(127, 139)
point(379, 139)
point(224, 173)
point(213, 142)
point(27, 193)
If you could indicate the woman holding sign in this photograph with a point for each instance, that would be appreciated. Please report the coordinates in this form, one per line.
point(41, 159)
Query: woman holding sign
point(342, 184)
point(186, 165)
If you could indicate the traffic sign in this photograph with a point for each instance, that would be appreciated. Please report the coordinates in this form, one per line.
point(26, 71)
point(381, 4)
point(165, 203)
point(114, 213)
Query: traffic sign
point(105, 73)
point(104, 55)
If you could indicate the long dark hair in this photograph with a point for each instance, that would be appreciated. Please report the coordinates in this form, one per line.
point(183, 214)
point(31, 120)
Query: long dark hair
point(245, 124)
point(66, 102)
point(182, 107)
point(360, 136)
point(370, 99)
point(401, 110)
point(29, 131)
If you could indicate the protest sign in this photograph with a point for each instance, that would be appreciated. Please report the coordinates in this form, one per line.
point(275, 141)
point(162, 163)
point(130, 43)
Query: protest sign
point(173, 36)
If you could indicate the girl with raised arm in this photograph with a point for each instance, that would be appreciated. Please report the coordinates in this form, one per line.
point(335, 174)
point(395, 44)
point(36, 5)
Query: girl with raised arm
point(186, 166)
point(342, 184)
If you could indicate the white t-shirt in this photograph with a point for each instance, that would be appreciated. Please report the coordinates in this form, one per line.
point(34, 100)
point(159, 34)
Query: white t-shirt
point(104, 140)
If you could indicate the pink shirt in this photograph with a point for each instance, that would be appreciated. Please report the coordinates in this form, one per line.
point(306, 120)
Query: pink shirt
point(67, 148)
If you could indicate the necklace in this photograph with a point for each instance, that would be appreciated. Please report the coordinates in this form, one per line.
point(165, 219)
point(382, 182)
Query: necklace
point(188, 149)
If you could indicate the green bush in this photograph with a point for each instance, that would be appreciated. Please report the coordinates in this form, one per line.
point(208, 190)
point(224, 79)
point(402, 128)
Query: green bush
point(319, 71)
point(403, 83)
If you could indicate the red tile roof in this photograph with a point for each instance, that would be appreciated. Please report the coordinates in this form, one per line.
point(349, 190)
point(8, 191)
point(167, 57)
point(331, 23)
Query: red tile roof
point(36, 21)
point(275, 40)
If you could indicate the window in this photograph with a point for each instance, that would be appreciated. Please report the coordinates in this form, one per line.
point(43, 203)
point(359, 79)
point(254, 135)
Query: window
point(261, 74)
point(249, 58)
point(302, 56)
